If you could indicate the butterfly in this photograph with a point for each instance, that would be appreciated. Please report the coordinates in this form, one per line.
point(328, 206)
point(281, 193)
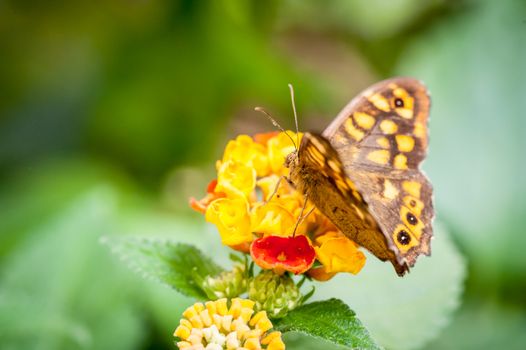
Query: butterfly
point(363, 172)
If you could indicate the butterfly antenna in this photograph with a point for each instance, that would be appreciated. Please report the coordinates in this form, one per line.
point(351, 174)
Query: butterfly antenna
point(276, 124)
point(295, 114)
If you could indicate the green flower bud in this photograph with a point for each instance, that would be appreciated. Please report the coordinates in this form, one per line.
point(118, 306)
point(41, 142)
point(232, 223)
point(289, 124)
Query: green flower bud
point(228, 284)
point(275, 294)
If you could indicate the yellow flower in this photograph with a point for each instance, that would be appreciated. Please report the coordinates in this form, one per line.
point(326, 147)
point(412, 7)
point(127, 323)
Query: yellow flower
point(268, 184)
point(244, 150)
point(211, 195)
point(214, 326)
point(236, 179)
point(279, 147)
point(272, 219)
point(337, 253)
point(232, 219)
point(289, 199)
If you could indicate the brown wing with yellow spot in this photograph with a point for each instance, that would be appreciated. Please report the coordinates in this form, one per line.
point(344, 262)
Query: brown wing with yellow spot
point(381, 138)
point(319, 173)
point(317, 153)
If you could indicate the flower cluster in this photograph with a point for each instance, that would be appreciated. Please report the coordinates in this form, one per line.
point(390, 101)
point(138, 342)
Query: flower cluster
point(256, 211)
point(214, 326)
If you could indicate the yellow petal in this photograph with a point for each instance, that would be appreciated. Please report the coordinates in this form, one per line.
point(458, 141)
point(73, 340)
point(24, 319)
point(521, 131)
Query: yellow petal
point(244, 150)
point(183, 344)
point(205, 317)
point(190, 312)
point(252, 344)
point(235, 308)
point(236, 179)
point(211, 307)
point(276, 344)
point(196, 322)
point(221, 306)
point(232, 220)
point(268, 185)
point(271, 336)
point(260, 315)
point(182, 332)
point(272, 219)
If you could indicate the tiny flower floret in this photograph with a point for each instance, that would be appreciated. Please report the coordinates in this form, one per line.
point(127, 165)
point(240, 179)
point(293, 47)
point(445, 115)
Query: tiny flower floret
point(231, 216)
point(214, 325)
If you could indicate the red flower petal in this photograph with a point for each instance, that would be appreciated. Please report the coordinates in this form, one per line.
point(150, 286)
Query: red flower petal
point(211, 186)
point(294, 254)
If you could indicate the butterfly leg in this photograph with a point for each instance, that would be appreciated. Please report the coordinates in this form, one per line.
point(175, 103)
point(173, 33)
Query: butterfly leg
point(275, 190)
point(301, 217)
point(281, 178)
point(289, 181)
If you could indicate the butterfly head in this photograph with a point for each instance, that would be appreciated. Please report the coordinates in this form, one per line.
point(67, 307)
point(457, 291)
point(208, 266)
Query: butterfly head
point(291, 160)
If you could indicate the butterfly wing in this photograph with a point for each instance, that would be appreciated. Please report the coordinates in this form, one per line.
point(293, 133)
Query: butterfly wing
point(381, 138)
point(319, 173)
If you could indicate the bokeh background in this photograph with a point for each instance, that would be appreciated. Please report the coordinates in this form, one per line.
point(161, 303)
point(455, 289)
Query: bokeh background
point(112, 114)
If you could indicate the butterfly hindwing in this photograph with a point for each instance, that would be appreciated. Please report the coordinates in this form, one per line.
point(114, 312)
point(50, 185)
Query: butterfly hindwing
point(381, 138)
point(403, 208)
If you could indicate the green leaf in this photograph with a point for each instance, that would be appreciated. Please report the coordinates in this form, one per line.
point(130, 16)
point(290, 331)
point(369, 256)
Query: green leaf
point(331, 320)
point(180, 266)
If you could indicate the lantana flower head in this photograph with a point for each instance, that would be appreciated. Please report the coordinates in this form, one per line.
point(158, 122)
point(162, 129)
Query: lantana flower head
point(256, 210)
point(224, 324)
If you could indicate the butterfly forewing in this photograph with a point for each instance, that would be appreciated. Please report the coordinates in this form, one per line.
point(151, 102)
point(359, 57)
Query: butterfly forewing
point(381, 138)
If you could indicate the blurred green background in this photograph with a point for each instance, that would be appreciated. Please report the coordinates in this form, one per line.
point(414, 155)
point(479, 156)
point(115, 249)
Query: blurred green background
point(112, 114)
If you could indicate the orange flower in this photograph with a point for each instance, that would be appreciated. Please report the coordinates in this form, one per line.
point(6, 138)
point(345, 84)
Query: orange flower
point(336, 253)
point(294, 254)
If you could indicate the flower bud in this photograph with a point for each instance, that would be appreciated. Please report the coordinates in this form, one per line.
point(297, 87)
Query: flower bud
point(275, 294)
point(228, 284)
